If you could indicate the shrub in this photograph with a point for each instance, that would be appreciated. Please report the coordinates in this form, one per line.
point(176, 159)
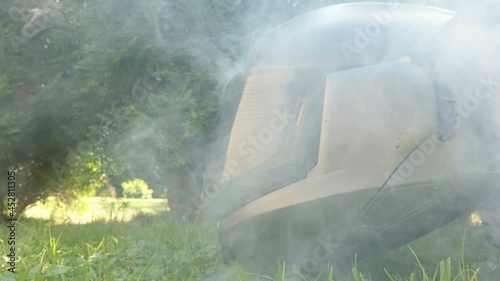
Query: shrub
point(136, 188)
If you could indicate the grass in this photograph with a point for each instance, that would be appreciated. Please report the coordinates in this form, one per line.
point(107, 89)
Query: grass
point(115, 246)
point(462, 242)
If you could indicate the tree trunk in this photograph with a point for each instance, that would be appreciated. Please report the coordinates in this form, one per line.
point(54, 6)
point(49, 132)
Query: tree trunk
point(35, 188)
point(3, 214)
point(178, 197)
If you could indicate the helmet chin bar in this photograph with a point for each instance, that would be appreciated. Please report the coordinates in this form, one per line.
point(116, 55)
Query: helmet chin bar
point(447, 113)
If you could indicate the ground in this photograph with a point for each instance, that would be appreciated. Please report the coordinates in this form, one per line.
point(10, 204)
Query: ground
point(100, 239)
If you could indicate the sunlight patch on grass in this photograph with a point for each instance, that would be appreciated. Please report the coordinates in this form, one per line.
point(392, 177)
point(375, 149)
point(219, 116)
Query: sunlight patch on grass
point(475, 219)
point(89, 209)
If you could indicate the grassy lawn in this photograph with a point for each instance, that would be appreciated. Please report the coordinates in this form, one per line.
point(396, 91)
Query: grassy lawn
point(112, 245)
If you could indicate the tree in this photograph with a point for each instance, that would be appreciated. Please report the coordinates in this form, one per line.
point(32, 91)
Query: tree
point(82, 89)
point(93, 92)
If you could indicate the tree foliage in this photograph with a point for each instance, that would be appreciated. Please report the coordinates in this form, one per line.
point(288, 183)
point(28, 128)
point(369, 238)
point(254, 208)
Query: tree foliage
point(136, 188)
point(99, 92)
